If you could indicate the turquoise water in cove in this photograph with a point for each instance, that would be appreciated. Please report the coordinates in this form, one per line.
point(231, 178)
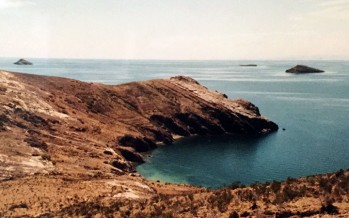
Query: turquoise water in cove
point(313, 108)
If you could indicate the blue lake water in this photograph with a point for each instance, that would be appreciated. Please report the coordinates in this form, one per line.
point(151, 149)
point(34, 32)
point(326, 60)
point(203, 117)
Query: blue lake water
point(313, 108)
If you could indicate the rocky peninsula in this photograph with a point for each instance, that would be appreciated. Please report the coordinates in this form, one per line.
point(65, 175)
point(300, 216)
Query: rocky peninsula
point(68, 148)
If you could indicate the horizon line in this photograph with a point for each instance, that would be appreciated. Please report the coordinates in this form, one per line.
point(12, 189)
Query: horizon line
point(165, 59)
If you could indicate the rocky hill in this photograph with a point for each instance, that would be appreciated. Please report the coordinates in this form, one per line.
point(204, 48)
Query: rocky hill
point(55, 124)
point(70, 147)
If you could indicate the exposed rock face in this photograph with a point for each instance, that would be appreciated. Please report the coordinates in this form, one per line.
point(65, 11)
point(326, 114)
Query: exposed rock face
point(139, 144)
point(23, 62)
point(56, 117)
point(303, 69)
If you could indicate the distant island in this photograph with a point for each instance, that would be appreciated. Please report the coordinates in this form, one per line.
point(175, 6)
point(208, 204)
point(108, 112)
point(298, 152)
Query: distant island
point(23, 62)
point(248, 65)
point(303, 69)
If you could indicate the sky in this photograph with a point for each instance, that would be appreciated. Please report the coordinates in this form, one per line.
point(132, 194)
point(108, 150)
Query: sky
point(175, 29)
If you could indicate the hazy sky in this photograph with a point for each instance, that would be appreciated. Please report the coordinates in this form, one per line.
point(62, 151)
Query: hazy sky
point(175, 29)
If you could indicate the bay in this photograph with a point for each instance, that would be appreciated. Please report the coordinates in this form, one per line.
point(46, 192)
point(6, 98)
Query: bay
point(313, 108)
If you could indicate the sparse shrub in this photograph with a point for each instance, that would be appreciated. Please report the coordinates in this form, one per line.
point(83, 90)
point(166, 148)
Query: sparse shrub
point(344, 183)
point(220, 199)
point(275, 186)
point(254, 206)
point(246, 195)
point(279, 198)
point(325, 185)
point(329, 208)
point(139, 214)
point(311, 180)
point(245, 214)
point(167, 215)
point(302, 191)
point(289, 193)
point(234, 215)
point(235, 185)
point(283, 214)
point(290, 180)
point(156, 211)
point(261, 189)
point(340, 173)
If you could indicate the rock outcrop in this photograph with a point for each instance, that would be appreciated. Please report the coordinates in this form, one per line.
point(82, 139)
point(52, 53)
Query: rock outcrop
point(23, 62)
point(303, 69)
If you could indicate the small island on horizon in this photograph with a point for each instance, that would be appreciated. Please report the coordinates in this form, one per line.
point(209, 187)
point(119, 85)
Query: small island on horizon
point(248, 65)
point(298, 69)
point(23, 62)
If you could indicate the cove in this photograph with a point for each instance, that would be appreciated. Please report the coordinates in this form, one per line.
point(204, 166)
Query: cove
point(215, 161)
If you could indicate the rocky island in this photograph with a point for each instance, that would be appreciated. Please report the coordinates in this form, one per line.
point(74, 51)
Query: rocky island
point(23, 62)
point(69, 148)
point(303, 69)
point(248, 65)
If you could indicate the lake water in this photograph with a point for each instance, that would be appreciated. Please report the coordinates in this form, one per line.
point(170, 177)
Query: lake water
point(313, 108)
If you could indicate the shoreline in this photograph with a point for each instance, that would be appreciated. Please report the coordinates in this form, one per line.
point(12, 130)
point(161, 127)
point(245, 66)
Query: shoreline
point(148, 155)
